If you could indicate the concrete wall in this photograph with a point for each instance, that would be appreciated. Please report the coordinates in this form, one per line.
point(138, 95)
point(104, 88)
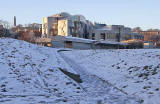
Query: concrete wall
point(85, 46)
point(109, 35)
point(47, 25)
point(58, 44)
point(124, 31)
point(63, 27)
point(109, 46)
point(76, 45)
point(148, 45)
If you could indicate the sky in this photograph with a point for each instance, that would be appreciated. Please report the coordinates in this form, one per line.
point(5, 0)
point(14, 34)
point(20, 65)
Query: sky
point(131, 13)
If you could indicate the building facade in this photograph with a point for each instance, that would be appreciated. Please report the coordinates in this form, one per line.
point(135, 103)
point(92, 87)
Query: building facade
point(84, 44)
point(103, 34)
point(64, 24)
point(121, 32)
point(115, 33)
point(148, 35)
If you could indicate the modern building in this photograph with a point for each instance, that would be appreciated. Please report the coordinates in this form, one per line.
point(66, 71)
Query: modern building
point(64, 24)
point(103, 34)
point(72, 42)
point(116, 33)
point(121, 32)
point(85, 44)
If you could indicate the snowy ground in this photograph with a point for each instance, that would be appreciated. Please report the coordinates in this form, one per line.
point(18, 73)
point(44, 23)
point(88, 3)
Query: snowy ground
point(135, 72)
point(30, 74)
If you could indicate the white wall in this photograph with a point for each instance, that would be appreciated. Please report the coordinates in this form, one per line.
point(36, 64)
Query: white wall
point(63, 27)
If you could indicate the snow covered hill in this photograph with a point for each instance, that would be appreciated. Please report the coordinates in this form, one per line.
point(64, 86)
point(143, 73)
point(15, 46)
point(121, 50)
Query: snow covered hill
point(31, 74)
point(135, 72)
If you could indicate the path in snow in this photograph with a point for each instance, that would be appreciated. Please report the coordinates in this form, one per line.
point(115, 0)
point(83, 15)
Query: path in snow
point(98, 88)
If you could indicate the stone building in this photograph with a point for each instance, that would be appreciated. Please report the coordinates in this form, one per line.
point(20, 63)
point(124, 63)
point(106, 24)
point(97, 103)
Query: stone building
point(148, 35)
point(151, 36)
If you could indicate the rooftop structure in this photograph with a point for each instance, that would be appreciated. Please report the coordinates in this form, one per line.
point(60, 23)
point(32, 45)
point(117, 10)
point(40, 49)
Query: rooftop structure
point(80, 43)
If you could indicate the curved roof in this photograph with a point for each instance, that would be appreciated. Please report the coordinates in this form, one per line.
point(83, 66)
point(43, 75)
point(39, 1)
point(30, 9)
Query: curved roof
point(70, 17)
point(77, 18)
point(62, 14)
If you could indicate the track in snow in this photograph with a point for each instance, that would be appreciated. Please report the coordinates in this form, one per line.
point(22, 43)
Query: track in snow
point(98, 88)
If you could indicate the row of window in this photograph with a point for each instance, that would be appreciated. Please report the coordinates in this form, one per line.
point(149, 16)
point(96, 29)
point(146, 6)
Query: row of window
point(104, 36)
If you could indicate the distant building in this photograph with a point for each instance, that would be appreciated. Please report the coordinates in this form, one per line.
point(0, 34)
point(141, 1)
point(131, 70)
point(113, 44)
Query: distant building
point(104, 34)
point(148, 45)
point(84, 44)
point(151, 36)
point(116, 33)
point(137, 36)
point(28, 32)
point(65, 24)
point(148, 35)
point(122, 32)
point(72, 42)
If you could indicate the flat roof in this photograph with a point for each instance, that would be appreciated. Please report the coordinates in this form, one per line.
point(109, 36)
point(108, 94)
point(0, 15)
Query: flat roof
point(69, 38)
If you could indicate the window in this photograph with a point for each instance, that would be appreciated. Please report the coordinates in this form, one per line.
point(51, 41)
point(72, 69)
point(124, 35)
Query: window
point(68, 44)
point(93, 36)
point(108, 36)
point(103, 36)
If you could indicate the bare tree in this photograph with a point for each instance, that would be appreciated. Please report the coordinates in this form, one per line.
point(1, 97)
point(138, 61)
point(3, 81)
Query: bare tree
point(5, 24)
point(155, 39)
point(153, 30)
point(4, 32)
point(137, 29)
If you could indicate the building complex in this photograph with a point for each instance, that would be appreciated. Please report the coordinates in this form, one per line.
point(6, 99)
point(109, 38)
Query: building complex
point(65, 24)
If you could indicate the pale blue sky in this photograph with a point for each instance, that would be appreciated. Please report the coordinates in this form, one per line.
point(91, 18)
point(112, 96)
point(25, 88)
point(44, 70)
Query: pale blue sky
point(132, 13)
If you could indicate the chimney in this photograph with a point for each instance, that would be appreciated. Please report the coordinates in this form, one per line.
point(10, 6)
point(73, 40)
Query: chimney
point(15, 21)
